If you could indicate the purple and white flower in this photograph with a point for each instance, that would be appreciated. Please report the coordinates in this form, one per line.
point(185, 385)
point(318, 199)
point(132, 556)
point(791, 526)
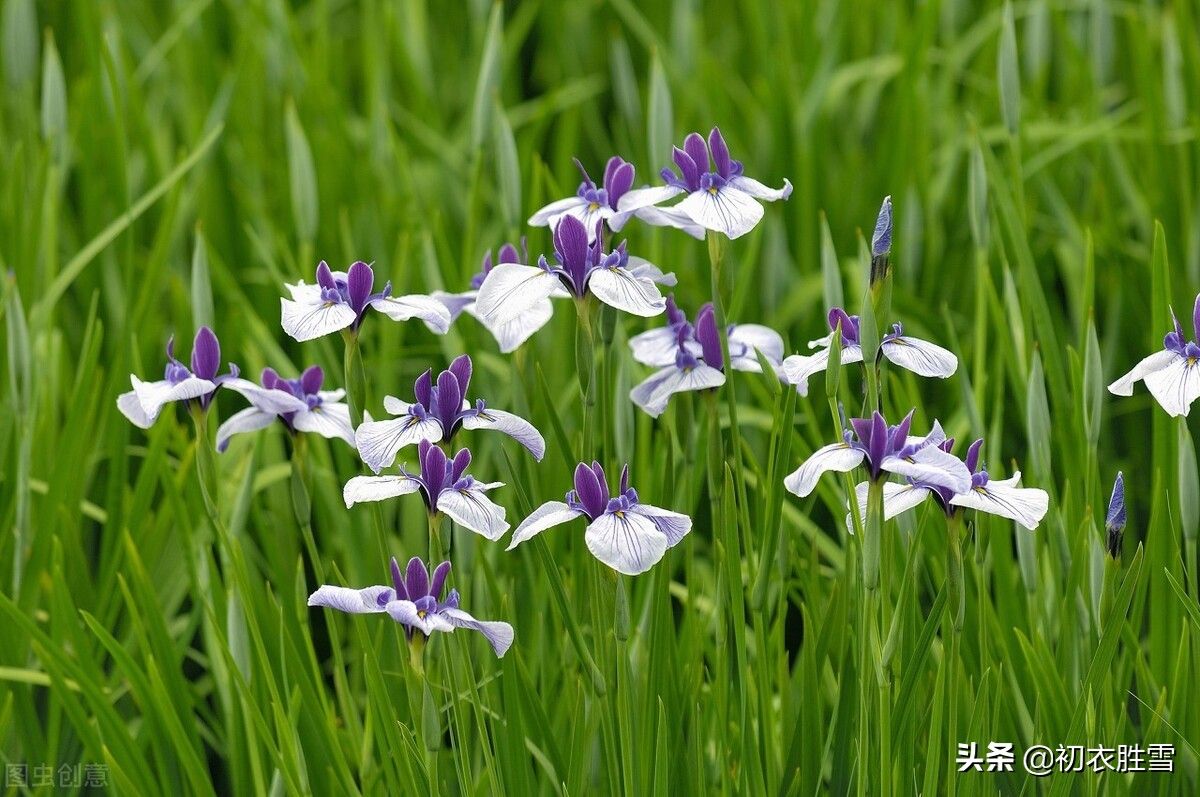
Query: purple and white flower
point(623, 533)
point(884, 449)
point(624, 282)
point(1004, 498)
point(913, 354)
point(689, 356)
point(339, 300)
point(441, 409)
point(1173, 374)
point(197, 384)
point(511, 334)
point(414, 600)
point(445, 487)
point(300, 404)
point(596, 205)
point(719, 196)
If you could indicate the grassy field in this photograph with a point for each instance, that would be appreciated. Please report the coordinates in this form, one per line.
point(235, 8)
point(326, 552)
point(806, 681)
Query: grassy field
point(169, 165)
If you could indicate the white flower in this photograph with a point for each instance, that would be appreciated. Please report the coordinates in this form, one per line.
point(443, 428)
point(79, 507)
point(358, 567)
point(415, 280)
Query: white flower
point(1173, 374)
point(299, 403)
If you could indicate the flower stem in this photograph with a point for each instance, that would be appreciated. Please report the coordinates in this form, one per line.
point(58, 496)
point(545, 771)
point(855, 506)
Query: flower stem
point(585, 371)
point(956, 602)
point(437, 553)
point(355, 377)
point(873, 534)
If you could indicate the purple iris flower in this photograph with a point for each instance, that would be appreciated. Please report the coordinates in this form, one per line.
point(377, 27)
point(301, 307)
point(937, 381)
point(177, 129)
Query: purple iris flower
point(622, 532)
point(913, 354)
point(1173, 374)
point(881, 238)
point(1002, 497)
point(415, 601)
point(444, 485)
point(581, 268)
point(1114, 523)
point(689, 356)
point(884, 449)
point(340, 301)
point(719, 196)
point(512, 334)
point(197, 384)
point(300, 404)
point(441, 409)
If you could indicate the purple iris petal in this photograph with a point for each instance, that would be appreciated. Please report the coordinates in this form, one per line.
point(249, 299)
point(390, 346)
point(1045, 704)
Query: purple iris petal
point(590, 490)
point(359, 281)
point(438, 582)
point(206, 354)
point(416, 579)
point(688, 168)
point(311, 380)
point(849, 325)
point(720, 153)
point(423, 390)
point(618, 179)
point(461, 368)
point(325, 277)
point(398, 581)
point(675, 316)
point(447, 400)
point(972, 460)
point(881, 239)
point(696, 148)
point(706, 335)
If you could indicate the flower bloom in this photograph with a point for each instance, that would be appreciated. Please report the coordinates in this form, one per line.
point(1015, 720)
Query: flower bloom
point(445, 487)
point(719, 197)
point(623, 533)
point(1114, 523)
point(884, 449)
point(414, 601)
point(1172, 375)
point(595, 205)
point(440, 411)
point(689, 357)
point(615, 278)
point(513, 333)
point(1024, 505)
point(299, 403)
point(340, 300)
point(199, 383)
point(913, 354)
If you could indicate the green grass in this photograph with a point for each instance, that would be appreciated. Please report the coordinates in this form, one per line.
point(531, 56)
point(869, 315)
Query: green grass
point(170, 164)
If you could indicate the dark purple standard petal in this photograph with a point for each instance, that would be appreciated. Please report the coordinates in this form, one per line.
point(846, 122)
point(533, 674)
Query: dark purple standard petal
point(571, 242)
point(675, 316)
point(688, 168)
point(720, 153)
point(618, 179)
point(972, 460)
point(697, 150)
point(206, 354)
point(898, 435)
point(706, 335)
point(398, 581)
point(433, 471)
point(416, 579)
point(849, 324)
point(359, 281)
point(325, 277)
point(438, 582)
point(423, 390)
point(447, 400)
point(459, 466)
point(625, 478)
point(1196, 318)
point(509, 254)
point(589, 489)
point(461, 368)
point(312, 379)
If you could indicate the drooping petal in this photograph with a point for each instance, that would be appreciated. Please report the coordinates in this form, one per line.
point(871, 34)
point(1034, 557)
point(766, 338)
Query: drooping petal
point(377, 488)
point(639, 198)
point(328, 419)
point(920, 356)
point(313, 319)
point(653, 394)
point(931, 466)
point(153, 396)
point(548, 214)
point(668, 217)
point(628, 543)
point(414, 305)
point(656, 347)
point(1176, 386)
point(250, 419)
point(395, 406)
point(514, 426)
point(672, 524)
point(729, 210)
point(499, 634)
point(619, 288)
point(1024, 505)
point(548, 515)
point(754, 337)
point(455, 303)
point(378, 442)
point(641, 267)
point(837, 457)
point(760, 191)
point(510, 290)
point(1148, 365)
point(898, 498)
point(511, 334)
point(472, 509)
point(406, 613)
point(276, 402)
point(352, 601)
point(798, 368)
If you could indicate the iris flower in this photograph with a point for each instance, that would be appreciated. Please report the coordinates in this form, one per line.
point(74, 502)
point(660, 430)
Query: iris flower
point(623, 533)
point(884, 449)
point(596, 205)
point(719, 196)
point(299, 403)
point(445, 487)
point(624, 282)
point(414, 601)
point(197, 384)
point(689, 357)
point(1114, 522)
point(1173, 374)
point(1024, 505)
point(913, 354)
point(513, 333)
point(441, 409)
point(340, 301)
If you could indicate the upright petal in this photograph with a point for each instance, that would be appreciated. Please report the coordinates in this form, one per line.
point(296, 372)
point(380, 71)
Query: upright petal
point(628, 543)
point(499, 634)
point(673, 525)
point(360, 279)
point(510, 290)
point(311, 320)
point(920, 356)
point(1176, 386)
point(1148, 365)
point(838, 457)
point(132, 409)
point(729, 210)
point(472, 509)
point(1025, 505)
point(378, 442)
point(514, 426)
point(328, 419)
point(619, 288)
point(352, 601)
point(546, 516)
point(428, 309)
point(250, 419)
point(206, 354)
point(377, 488)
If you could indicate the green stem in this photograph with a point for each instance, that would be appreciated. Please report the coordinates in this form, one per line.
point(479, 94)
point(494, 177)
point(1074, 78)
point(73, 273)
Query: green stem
point(355, 377)
point(873, 534)
point(585, 371)
point(437, 553)
point(956, 602)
